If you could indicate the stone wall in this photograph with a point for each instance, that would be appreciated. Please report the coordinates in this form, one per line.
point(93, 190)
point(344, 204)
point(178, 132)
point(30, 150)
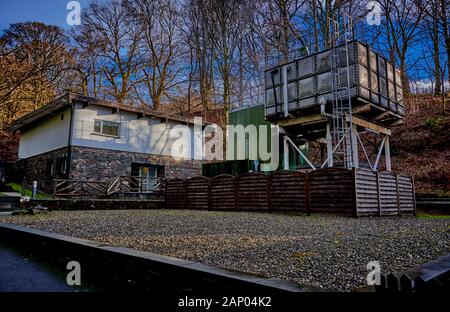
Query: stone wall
point(100, 164)
point(36, 169)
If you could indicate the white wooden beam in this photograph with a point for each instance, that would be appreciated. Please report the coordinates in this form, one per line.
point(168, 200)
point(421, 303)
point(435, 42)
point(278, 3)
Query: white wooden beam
point(370, 125)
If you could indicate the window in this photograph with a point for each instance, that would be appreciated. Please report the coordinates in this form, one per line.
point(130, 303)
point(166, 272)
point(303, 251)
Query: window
point(50, 168)
point(62, 164)
point(106, 127)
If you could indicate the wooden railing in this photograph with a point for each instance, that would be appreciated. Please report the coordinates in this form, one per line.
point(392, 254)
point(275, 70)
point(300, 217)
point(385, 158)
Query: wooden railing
point(104, 189)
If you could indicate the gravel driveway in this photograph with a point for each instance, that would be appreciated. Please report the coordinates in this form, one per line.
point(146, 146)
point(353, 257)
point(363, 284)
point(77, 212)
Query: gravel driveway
point(324, 251)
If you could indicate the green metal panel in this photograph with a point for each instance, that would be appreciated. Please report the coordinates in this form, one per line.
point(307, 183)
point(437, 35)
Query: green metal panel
point(251, 116)
point(254, 115)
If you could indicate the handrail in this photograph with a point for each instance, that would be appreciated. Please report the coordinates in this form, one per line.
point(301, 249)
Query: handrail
point(106, 188)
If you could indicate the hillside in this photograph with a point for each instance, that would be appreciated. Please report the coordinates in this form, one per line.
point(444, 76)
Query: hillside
point(420, 146)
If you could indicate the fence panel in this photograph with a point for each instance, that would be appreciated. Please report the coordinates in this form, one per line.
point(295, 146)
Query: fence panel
point(197, 193)
point(388, 194)
point(406, 194)
point(287, 191)
point(253, 192)
point(383, 193)
point(176, 194)
point(359, 192)
point(223, 192)
point(367, 192)
point(331, 191)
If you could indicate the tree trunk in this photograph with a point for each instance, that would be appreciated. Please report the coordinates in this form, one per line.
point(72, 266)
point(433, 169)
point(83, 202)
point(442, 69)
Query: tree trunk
point(437, 64)
point(446, 34)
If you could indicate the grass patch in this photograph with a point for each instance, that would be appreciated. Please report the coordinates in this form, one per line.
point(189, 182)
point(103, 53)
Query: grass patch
point(433, 194)
point(430, 216)
point(27, 192)
point(434, 122)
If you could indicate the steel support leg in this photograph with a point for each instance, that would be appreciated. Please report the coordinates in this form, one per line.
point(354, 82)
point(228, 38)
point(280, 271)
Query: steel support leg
point(387, 153)
point(329, 146)
point(286, 152)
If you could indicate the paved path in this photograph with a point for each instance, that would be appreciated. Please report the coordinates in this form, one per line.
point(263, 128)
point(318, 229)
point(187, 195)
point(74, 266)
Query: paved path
point(20, 274)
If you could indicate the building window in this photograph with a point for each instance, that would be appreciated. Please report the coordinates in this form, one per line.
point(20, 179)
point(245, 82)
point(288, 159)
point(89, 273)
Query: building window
point(62, 164)
point(50, 168)
point(106, 128)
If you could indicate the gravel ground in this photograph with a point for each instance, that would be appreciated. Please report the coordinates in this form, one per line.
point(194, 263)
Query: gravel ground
point(323, 251)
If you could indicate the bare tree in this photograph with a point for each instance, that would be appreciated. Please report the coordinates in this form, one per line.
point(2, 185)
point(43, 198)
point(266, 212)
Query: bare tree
point(108, 29)
point(438, 12)
point(401, 24)
point(159, 22)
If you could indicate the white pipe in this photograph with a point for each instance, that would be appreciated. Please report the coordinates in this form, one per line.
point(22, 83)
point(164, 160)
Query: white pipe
point(375, 166)
point(285, 92)
point(355, 147)
point(334, 150)
point(286, 153)
point(387, 154)
point(329, 146)
point(364, 150)
point(300, 152)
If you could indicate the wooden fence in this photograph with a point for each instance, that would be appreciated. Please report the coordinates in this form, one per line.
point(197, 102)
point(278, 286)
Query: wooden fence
point(357, 192)
point(384, 193)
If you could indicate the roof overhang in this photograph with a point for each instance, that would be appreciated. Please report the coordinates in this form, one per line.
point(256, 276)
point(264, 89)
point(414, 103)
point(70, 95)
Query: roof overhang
point(67, 100)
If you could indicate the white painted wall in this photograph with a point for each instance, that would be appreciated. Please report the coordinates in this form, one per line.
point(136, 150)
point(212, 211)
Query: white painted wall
point(46, 136)
point(145, 135)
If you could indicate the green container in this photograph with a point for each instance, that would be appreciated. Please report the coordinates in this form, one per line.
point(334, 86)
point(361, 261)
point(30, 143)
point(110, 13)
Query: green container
point(251, 116)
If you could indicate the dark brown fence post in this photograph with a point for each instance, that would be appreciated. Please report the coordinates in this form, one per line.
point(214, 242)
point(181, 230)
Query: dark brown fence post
point(54, 189)
point(414, 195)
point(378, 194)
point(185, 193)
point(165, 193)
point(209, 194)
point(269, 192)
point(307, 197)
point(398, 195)
point(355, 199)
point(236, 192)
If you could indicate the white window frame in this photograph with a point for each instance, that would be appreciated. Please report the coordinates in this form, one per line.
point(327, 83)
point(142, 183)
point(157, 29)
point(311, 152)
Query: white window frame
point(101, 128)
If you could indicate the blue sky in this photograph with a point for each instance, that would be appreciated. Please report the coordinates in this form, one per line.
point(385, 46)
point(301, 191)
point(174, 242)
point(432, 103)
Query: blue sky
point(47, 11)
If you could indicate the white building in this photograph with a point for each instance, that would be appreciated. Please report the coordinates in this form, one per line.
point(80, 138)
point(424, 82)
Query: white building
point(82, 138)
